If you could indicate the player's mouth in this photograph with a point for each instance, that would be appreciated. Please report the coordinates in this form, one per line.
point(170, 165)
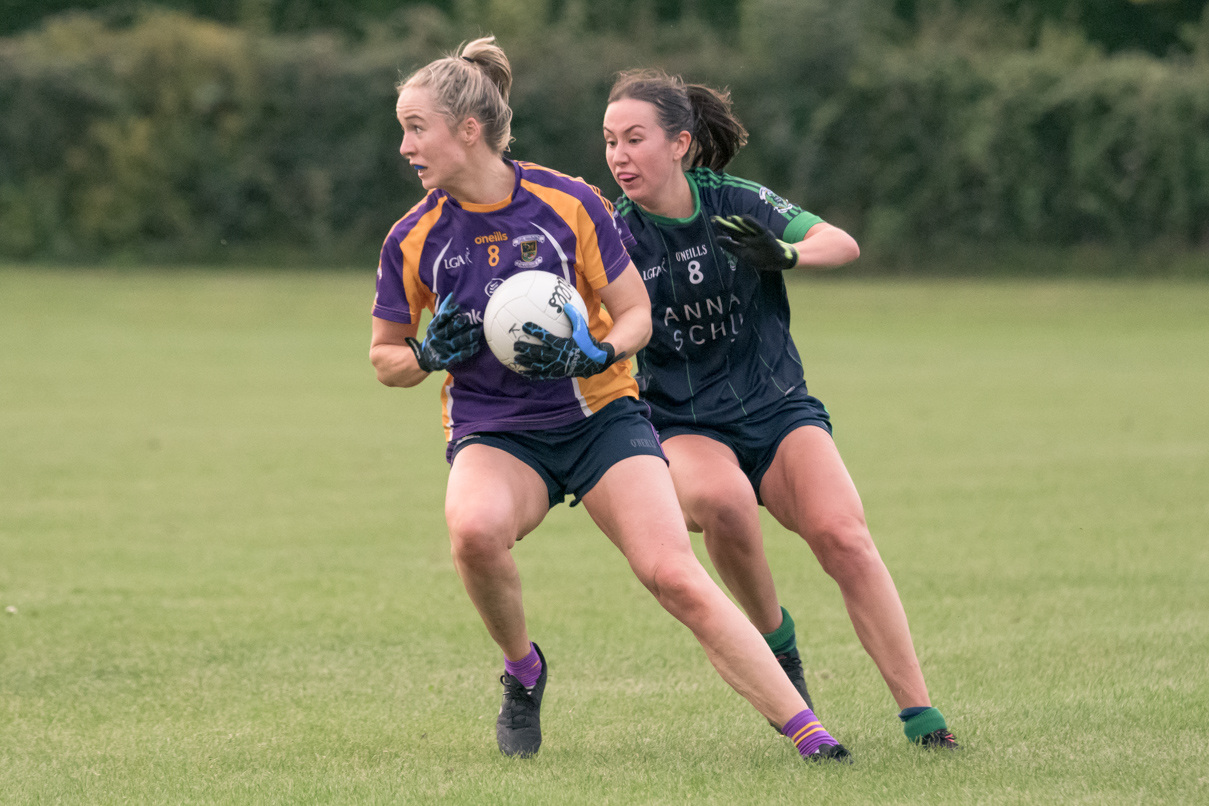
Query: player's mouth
point(626, 178)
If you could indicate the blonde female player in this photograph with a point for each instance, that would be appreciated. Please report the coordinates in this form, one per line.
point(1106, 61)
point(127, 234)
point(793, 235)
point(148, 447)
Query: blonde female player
point(724, 380)
point(517, 445)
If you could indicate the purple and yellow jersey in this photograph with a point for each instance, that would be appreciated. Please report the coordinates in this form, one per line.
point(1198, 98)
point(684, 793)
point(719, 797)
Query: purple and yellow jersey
point(445, 249)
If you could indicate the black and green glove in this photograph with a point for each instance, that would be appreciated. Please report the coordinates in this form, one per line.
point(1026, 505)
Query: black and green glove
point(450, 339)
point(753, 244)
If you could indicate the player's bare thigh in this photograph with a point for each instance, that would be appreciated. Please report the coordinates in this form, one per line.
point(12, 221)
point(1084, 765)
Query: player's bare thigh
point(707, 476)
point(807, 487)
point(634, 504)
point(491, 493)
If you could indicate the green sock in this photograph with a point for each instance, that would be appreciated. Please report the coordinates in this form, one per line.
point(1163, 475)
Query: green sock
point(923, 723)
point(782, 639)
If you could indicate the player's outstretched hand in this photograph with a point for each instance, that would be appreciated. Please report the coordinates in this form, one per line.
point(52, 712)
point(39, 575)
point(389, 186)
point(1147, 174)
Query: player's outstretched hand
point(579, 356)
point(450, 339)
point(754, 244)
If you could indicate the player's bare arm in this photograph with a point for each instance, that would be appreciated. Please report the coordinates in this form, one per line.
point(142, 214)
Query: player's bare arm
point(391, 356)
point(825, 247)
point(752, 242)
point(628, 303)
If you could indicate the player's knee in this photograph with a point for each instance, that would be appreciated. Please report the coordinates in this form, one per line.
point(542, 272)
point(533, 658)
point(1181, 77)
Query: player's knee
point(724, 511)
point(844, 546)
point(476, 539)
point(677, 584)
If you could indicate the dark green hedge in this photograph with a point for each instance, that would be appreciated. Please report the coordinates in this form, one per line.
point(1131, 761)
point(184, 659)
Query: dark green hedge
point(174, 138)
point(1027, 147)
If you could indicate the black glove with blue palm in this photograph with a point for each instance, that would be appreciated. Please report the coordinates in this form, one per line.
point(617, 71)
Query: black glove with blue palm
point(578, 355)
point(754, 244)
point(450, 339)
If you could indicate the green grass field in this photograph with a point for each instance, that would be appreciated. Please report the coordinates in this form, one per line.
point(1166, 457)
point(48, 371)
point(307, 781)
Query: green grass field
point(223, 553)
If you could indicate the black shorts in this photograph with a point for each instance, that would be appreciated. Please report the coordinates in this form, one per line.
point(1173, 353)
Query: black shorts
point(754, 439)
point(572, 458)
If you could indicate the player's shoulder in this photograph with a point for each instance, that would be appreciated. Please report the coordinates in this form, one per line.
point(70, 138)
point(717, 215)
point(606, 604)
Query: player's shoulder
point(625, 206)
point(630, 213)
point(713, 185)
point(423, 215)
point(576, 186)
point(722, 194)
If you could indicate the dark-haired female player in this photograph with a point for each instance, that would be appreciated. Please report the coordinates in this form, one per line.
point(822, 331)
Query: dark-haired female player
point(517, 445)
point(724, 380)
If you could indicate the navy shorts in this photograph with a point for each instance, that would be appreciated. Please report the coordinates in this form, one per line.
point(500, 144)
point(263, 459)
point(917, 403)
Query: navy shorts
point(572, 458)
point(754, 439)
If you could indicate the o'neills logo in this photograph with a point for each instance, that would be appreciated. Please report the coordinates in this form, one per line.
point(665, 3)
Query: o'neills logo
point(494, 237)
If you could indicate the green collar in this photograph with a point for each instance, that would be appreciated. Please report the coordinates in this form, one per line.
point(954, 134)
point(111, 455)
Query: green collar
point(673, 222)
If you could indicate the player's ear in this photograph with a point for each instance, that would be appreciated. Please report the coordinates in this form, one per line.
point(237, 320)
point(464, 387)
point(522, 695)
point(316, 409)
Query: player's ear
point(470, 131)
point(680, 145)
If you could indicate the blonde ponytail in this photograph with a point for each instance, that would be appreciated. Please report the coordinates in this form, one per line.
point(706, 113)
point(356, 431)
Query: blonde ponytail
point(473, 82)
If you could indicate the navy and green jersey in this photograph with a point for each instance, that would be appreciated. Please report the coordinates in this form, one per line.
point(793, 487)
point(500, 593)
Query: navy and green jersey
point(721, 348)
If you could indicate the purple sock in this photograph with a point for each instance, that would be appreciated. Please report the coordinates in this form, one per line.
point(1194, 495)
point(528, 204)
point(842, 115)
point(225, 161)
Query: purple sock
point(805, 731)
point(526, 670)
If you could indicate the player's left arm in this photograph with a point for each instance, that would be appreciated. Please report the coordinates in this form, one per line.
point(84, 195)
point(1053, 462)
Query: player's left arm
point(630, 307)
point(825, 247)
point(769, 233)
point(754, 243)
point(581, 355)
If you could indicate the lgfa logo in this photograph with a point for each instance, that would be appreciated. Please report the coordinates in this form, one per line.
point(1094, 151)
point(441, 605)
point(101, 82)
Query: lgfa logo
point(652, 272)
point(457, 261)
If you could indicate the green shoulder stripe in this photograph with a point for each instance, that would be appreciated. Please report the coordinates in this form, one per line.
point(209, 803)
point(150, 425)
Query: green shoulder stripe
point(715, 180)
point(799, 226)
point(739, 182)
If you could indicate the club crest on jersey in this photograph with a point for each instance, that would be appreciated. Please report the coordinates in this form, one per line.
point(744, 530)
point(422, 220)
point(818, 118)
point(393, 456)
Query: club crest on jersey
point(780, 205)
point(528, 244)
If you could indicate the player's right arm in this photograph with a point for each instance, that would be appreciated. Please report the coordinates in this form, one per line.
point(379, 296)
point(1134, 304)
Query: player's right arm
point(399, 297)
point(391, 355)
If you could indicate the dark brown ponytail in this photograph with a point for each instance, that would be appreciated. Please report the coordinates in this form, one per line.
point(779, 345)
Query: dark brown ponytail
point(718, 135)
point(702, 111)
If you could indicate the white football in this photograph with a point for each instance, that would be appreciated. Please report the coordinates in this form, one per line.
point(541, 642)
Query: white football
point(530, 296)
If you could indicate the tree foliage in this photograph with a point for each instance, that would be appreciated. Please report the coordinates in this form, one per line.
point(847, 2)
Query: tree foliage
point(163, 134)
